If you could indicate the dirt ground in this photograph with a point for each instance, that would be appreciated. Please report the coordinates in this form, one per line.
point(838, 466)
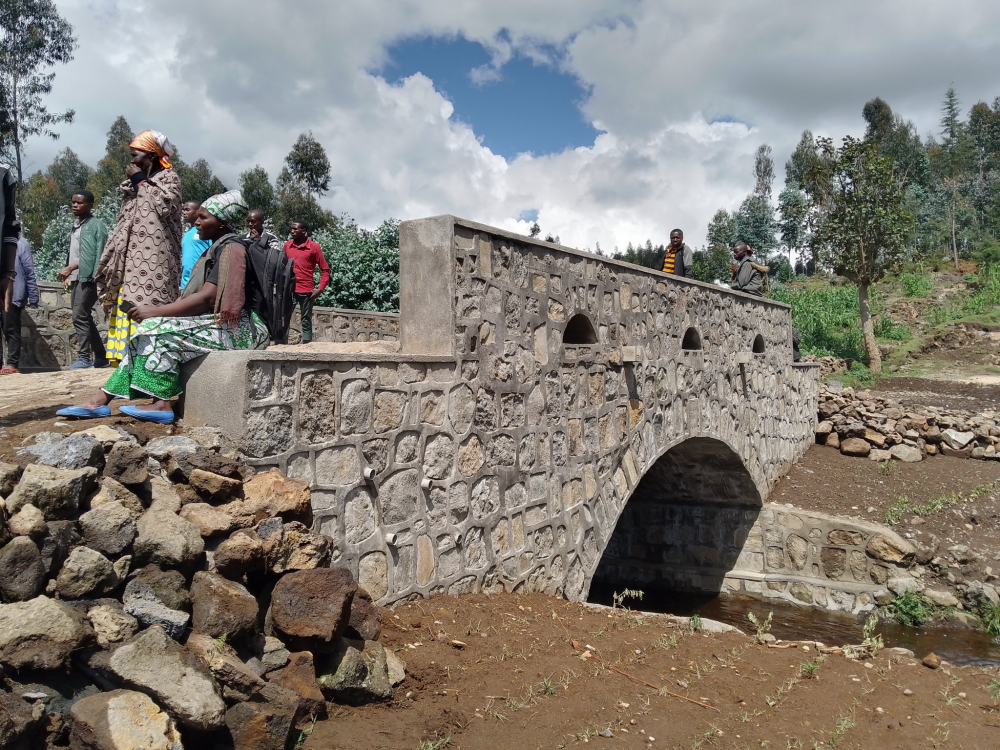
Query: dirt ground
point(519, 682)
point(825, 480)
point(947, 394)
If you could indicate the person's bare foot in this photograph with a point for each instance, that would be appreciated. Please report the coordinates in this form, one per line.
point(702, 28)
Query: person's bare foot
point(97, 400)
point(157, 405)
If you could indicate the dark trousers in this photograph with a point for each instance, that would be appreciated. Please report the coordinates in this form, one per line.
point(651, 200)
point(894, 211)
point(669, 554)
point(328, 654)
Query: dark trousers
point(305, 303)
point(88, 338)
point(12, 334)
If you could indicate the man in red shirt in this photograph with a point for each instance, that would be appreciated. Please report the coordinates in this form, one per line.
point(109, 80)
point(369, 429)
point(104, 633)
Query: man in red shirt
point(306, 255)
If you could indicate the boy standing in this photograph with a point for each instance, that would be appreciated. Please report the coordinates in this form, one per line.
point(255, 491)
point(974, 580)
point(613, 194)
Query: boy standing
point(306, 255)
point(25, 293)
point(86, 243)
point(192, 246)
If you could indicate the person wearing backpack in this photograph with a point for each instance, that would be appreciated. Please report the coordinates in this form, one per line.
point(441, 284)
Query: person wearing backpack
point(677, 257)
point(215, 313)
point(306, 256)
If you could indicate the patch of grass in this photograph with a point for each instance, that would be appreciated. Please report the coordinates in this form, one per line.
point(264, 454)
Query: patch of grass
point(990, 615)
point(696, 623)
point(428, 745)
point(934, 505)
point(897, 510)
point(910, 609)
point(994, 688)
point(808, 669)
point(827, 318)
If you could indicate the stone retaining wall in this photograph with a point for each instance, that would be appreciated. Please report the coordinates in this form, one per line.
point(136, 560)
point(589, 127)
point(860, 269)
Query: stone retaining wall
point(49, 341)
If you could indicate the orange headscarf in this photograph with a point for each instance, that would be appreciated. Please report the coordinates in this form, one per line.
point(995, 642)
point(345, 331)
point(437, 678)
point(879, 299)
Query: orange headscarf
point(154, 142)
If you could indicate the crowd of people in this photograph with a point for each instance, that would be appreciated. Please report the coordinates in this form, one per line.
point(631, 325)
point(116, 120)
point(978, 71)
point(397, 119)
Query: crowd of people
point(172, 294)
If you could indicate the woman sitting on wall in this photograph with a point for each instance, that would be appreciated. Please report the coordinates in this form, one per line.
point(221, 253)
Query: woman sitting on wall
point(213, 314)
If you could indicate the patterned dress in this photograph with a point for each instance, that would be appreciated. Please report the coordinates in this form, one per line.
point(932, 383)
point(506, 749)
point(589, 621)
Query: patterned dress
point(142, 258)
point(159, 346)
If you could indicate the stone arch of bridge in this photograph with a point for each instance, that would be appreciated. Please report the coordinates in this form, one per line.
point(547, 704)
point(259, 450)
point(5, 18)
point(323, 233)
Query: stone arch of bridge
point(685, 523)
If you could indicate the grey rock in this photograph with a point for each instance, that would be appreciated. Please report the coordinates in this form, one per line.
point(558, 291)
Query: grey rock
point(61, 538)
point(168, 540)
point(122, 720)
point(955, 439)
point(210, 438)
point(168, 587)
point(980, 593)
point(906, 453)
point(108, 528)
point(356, 674)
point(941, 598)
point(905, 584)
point(77, 451)
point(127, 463)
point(115, 492)
point(55, 492)
point(962, 554)
point(22, 573)
point(175, 446)
point(151, 612)
point(174, 676)
point(41, 633)
point(9, 475)
point(85, 571)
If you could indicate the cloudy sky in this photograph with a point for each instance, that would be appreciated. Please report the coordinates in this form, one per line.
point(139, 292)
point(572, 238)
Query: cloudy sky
point(608, 120)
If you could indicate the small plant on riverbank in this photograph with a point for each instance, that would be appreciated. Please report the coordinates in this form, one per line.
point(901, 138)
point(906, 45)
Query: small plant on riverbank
point(696, 623)
point(808, 670)
point(994, 689)
point(990, 615)
point(762, 627)
point(617, 599)
point(910, 609)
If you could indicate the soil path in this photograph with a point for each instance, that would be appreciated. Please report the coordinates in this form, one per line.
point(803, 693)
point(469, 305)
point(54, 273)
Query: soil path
point(519, 683)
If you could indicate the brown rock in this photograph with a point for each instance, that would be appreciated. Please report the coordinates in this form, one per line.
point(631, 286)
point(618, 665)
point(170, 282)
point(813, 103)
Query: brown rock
point(931, 661)
point(273, 494)
point(292, 546)
point(239, 682)
point(127, 463)
point(855, 447)
point(221, 607)
point(239, 553)
point(121, 719)
point(365, 623)
point(300, 678)
point(832, 440)
point(215, 487)
point(261, 726)
point(889, 547)
point(874, 437)
point(21, 723)
point(310, 609)
point(209, 519)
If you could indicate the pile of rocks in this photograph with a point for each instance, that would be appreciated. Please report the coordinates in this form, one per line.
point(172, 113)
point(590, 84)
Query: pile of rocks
point(867, 425)
point(827, 365)
point(161, 594)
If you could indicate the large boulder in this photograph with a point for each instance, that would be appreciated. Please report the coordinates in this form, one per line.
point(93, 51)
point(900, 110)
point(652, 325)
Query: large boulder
point(855, 446)
point(273, 494)
point(41, 633)
point(85, 571)
point(906, 453)
point(310, 608)
point(122, 720)
point(22, 572)
point(127, 463)
point(238, 554)
point(168, 540)
point(55, 492)
point(221, 607)
point(956, 439)
point(108, 528)
point(174, 676)
point(239, 682)
point(356, 674)
point(74, 452)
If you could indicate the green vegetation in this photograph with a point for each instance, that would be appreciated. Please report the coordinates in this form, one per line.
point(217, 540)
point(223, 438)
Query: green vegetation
point(808, 669)
point(762, 627)
point(916, 284)
point(934, 505)
point(990, 615)
point(910, 609)
point(984, 299)
point(827, 318)
point(364, 265)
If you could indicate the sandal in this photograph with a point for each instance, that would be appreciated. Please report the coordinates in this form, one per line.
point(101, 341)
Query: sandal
point(9, 370)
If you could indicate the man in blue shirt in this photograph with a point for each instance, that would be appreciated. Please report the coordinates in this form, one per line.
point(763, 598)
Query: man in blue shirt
point(192, 248)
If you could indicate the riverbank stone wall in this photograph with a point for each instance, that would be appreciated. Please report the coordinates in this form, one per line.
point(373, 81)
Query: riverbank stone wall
point(534, 388)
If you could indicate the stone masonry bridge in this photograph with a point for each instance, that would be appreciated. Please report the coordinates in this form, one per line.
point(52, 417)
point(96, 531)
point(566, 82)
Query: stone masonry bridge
point(547, 415)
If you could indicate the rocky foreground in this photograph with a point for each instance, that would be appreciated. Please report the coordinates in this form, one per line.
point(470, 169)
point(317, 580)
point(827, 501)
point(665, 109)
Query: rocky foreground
point(165, 596)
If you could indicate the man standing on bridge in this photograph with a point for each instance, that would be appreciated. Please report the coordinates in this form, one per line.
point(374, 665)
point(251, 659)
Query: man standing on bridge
point(306, 256)
point(677, 259)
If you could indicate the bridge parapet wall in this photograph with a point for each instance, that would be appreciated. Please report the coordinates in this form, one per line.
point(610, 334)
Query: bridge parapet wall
point(499, 447)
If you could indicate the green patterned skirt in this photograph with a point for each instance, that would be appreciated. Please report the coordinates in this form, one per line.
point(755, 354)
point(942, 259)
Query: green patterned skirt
point(152, 362)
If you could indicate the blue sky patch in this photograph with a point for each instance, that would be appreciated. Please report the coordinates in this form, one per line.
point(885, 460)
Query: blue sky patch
point(532, 107)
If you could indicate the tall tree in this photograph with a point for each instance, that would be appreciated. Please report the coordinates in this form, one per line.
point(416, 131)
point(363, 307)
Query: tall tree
point(308, 166)
point(763, 172)
point(40, 201)
point(35, 38)
point(722, 230)
point(117, 155)
point(69, 173)
point(865, 224)
point(897, 138)
point(257, 189)
point(793, 213)
point(197, 180)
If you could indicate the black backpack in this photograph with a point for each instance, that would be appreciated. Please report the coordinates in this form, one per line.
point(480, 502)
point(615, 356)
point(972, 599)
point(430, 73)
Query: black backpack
point(272, 282)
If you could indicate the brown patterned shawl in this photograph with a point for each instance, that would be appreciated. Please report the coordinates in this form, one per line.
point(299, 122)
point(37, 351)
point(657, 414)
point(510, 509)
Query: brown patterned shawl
point(143, 254)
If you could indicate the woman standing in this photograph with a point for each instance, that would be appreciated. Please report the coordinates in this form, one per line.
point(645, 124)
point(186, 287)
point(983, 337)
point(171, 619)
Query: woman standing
point(141, 264)
point(212, 315)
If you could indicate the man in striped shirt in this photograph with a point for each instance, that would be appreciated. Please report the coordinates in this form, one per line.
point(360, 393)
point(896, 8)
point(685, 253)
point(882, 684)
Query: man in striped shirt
point(678, 258)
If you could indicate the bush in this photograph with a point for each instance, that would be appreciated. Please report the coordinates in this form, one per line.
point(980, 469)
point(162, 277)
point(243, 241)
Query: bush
point(364, 266)
point(910, 609)
point(916, 284)
point(827, 319)
point(886, 329)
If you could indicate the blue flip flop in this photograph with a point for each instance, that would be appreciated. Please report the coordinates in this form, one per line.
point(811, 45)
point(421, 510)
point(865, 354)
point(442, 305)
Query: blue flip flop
point(82, 412)
point(160, 417)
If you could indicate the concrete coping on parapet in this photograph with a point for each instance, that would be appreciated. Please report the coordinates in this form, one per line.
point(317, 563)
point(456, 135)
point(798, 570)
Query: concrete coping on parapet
point(476, 226)
point(807, 365)
point(264, 355)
